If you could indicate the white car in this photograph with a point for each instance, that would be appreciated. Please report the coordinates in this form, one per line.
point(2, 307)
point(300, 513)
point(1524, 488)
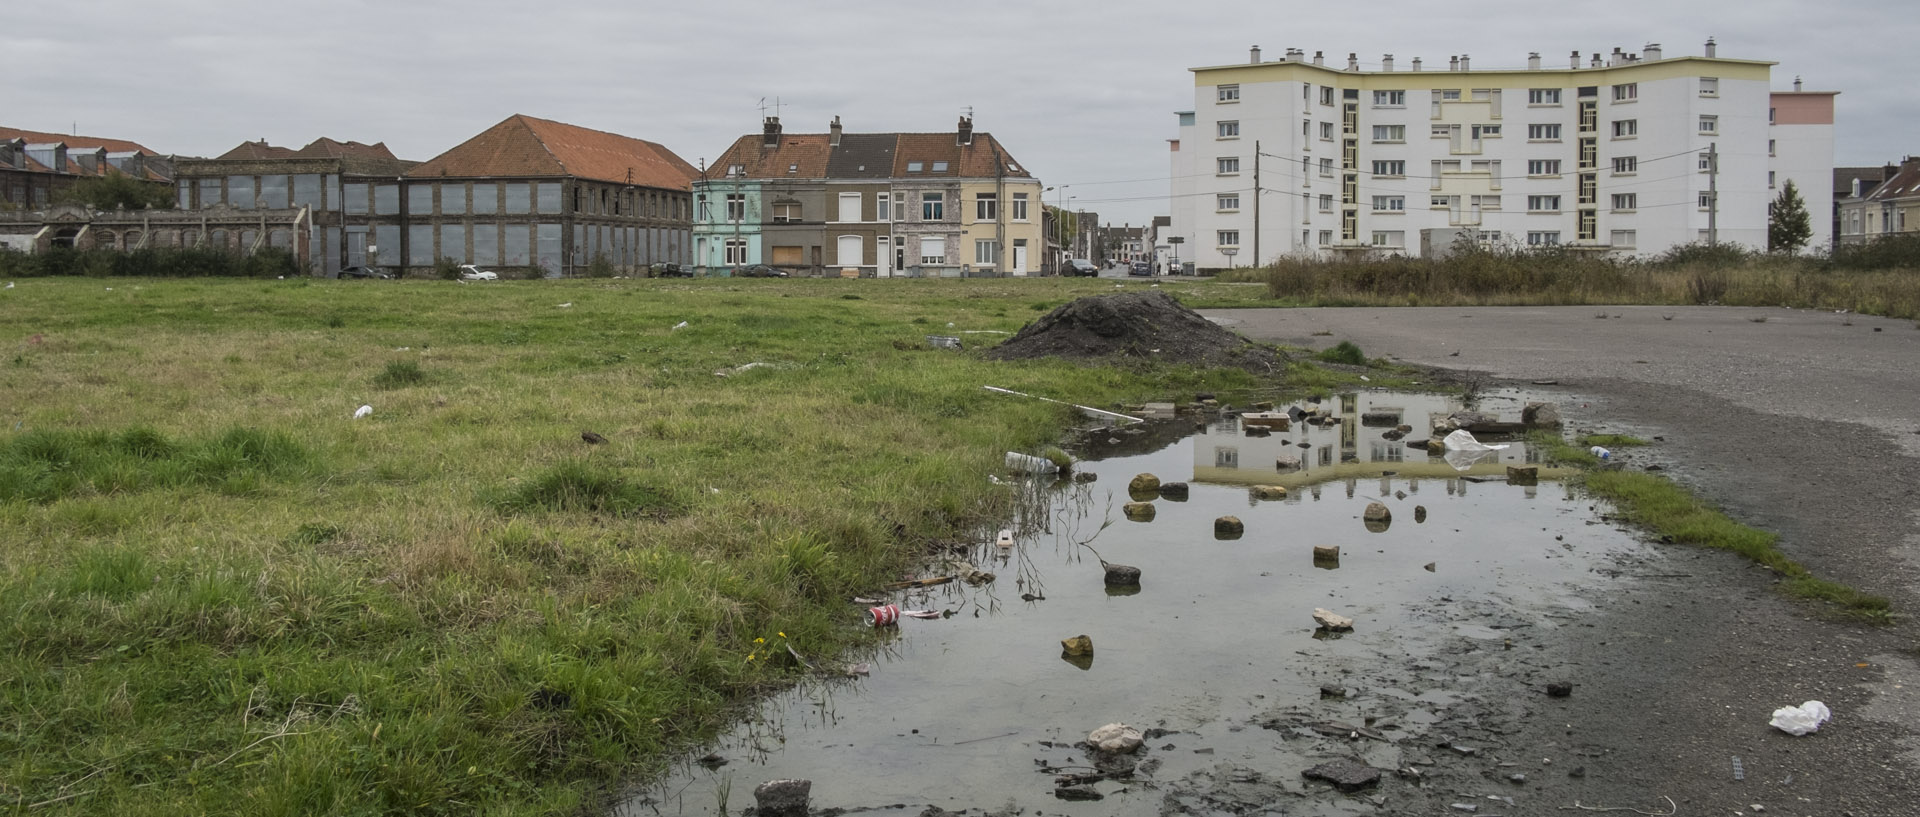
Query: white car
point(469, 272)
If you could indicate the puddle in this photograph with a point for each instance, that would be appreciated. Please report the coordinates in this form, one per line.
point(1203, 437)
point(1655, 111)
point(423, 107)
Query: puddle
point(1217, 647)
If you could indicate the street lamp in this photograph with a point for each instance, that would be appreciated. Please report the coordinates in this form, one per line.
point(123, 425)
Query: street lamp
point(1059, 220)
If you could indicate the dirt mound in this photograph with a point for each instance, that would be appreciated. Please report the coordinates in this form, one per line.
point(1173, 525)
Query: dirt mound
point(1141, 325)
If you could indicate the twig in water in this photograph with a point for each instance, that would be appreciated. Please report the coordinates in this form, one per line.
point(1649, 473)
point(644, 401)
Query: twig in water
point(1671, 808)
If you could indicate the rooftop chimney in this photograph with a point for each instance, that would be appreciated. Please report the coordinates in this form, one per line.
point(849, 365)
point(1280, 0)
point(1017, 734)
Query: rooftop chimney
point(1353, 61)
point(1319, 58)
point(1574, 61)
point(1254, 55)
point(1463, 62)
point(1617, 57)
point(833, 133)
point(964, 136)
point(1386, 62)
point(1453, 63)
point(1651, 51)
point(1596, 59)
point(1711, 49)
point(1533, 61)
point(770, 132)
point(1416, 63)
point(1796, 83)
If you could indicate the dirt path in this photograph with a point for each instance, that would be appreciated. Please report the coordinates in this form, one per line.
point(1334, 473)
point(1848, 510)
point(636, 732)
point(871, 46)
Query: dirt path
point(1804, 423)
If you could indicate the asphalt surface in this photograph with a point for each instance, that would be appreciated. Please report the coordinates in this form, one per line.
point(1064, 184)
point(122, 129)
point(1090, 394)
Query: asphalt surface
point(1803, 423)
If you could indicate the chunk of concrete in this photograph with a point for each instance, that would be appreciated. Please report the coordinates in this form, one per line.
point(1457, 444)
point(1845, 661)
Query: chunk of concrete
point(1345, 775)
point(1229, 526)
point(1540, 415)
point(1115, 738)
point(1377, 512)
point(1139, 511)
point(1176, 491)
point(1268, 492)
point(1122, 575)
point(1144, 484)
point(1326, 556)
point(1330, 620)
point(783, 798)
point(1523, 475)
point(1077, 645)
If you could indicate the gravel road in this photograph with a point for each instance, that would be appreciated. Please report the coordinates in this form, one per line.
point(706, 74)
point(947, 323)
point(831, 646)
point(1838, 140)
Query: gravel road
point(1800, 422)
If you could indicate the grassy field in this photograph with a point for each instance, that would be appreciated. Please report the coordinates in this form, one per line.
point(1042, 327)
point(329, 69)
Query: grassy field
point(224, 594)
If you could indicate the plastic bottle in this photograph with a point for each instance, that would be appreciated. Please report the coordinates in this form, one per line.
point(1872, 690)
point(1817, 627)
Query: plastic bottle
point(1600, 452)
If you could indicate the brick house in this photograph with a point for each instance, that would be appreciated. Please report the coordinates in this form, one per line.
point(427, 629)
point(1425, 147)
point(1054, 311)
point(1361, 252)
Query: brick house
point(34, 165)
point(262, 195)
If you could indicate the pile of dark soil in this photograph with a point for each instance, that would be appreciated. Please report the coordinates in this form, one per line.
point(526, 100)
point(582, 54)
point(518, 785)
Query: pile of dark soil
point(1136, 325)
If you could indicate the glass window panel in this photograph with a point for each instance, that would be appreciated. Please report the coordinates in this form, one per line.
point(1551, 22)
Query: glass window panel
point(282, 239)
point(387, 238)
point(549, 247)
point(486, 244)
point(420, 199)
point(209, 192)
point(247, 237)
point(486, 198)
point(516, 244)
point(183, 201)
point(550, 197)
point(420, 245)
point(356, 199)
point(240, 192)
point(453, 199)
point(273, 192)
point(386, 200)
point(517, 202)
point(453, 241)
point(333, 192)
point(306, 190)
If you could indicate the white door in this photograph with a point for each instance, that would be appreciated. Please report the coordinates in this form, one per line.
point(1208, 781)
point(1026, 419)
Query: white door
point(883, 257)
point(1019, 259)
point(850, 251)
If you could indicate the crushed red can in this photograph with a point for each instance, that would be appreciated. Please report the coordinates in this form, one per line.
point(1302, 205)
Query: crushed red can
point(885, 615)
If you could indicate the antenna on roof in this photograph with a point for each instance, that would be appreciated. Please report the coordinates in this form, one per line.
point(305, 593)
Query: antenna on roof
point(969, 111)
point(776, 106)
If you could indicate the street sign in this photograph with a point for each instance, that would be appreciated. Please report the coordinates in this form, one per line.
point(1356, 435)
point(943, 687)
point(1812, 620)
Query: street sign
point(1229, 251)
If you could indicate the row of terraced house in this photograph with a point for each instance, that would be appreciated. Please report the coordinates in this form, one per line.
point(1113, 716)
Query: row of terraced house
point(534, 197)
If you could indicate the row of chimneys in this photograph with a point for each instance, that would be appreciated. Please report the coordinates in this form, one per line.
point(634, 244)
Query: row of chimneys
point(770, 132)
point(1463, 63)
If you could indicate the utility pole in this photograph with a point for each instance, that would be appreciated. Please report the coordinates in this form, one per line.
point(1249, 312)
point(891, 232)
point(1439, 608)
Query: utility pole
point(1713, 194)
point(1256, 202)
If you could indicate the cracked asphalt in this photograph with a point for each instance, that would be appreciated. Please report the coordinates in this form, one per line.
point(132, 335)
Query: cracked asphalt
point(1801, 422)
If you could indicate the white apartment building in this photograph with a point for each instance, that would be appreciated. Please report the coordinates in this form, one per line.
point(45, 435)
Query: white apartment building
point(1613, 154)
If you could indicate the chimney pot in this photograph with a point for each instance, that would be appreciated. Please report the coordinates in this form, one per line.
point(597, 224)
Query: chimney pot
point(1453, 63)
point(1651, 51)
point(1711, 48)
point(1796, 83)
point(1533, 61)
point(1319, 58)
point(1463, 62)
point(1254, 55)
point(1416, 63)
point(1353, 61)
point(833, 133)
point(1386, 63)
point(1574, 61)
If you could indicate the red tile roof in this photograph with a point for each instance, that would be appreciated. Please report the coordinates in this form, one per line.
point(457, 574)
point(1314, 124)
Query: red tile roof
point(72, 141)
point(257, 150)
point(325, 148)
point(526, 146)
point(812, 153)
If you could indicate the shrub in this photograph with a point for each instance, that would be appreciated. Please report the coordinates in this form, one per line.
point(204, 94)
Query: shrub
point(600, 267)
point(1344, 352)
point(446, 269)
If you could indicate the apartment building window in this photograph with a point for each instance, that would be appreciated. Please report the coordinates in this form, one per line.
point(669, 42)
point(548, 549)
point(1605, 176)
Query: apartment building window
point(1389, 167)
point(933, 206)
point(1543, 204)
point(1442, 167)
point(1543, 132)
point(1624, 238)
point(1626, 128)
point(1227, 93)
point(1770, 183)
point(1326, 95)
point(1443, 131)
point(1709, 125)
point(1228, 164)
point(1706, 162)
point(1228, 201)
point(1543, 96)
point(1389, 238)
point(1326, 131)
point(786, 212)
point(1626, 201)
point(986, 252)
point(1706, 200)
point(1623, 165)
point(1543, 238)
point(1485, 202)
point(705, 207)
point(1389, 133)
point(1326, 166)
point(1326, 237)
point(1228, 129)
point(1019, 207)
point(1543, 167)
point(1228, 238)
point(1440, 202)
point(986, 206)
point(933, 250)
point(1709, 86)
point(1326, 202)
point(1770, 148)
point(736, 207)
point(1389, 99)
point(1306, 128)
point(1626, 92)
point(1450, 95)
point(1485, 130)
point(1389, 204)
point(736, 251)
point(1770, 114)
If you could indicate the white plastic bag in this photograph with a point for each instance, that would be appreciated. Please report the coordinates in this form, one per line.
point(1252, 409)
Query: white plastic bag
point(1463, 450)
point(1029, 464)
point(1804, 719)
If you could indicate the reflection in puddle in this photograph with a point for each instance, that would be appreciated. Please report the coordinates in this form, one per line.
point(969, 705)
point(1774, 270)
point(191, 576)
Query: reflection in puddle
point(1216, 638)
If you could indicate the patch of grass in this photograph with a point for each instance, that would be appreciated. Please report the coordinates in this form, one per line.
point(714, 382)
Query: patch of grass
point(1343, 352)
point(1611, 440)
point(46, 466)
point(1670, 511)
point(581, 487)
point(400, 374)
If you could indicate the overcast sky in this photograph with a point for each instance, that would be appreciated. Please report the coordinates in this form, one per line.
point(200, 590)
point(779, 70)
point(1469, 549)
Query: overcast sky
point(1082, 94)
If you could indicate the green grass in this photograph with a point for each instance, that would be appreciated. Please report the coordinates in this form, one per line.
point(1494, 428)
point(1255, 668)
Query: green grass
point(1343, 352)
point(1676, 515)
point(226, 595)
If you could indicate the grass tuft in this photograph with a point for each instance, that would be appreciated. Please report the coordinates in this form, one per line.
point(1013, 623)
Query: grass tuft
point(400, 374)
point(580, 487)
point(45, 466)
point(1343, 352)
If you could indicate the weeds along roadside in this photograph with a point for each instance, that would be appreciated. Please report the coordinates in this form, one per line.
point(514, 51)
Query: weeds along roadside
point(1674, 514)
point(225, 594)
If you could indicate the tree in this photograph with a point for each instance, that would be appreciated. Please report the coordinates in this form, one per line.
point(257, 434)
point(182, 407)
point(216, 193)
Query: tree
point(116, 190)
point(1789, 226)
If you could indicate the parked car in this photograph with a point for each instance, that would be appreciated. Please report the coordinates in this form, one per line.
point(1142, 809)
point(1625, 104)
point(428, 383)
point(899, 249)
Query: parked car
point(470, 272)
point(1141, 268)
point(1081, 267)
point(758, 271)
point(663, 269)
point(363, 272)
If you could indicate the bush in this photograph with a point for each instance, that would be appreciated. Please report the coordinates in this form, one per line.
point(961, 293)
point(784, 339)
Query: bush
point(446, 269)
point(1344, 352)
point(1900, 251)
point(600, 267)
point(162, 262)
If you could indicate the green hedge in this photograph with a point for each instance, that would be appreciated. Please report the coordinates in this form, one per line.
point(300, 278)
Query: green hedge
point(191, 262)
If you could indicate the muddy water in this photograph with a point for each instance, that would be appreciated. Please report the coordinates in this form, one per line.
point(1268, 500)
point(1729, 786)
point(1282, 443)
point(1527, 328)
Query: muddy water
point(1218, 647)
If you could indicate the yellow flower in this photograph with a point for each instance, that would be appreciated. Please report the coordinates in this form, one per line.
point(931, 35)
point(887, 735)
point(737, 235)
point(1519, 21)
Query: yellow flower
point(750, 656)
point(759, 641)
point(783, 635)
